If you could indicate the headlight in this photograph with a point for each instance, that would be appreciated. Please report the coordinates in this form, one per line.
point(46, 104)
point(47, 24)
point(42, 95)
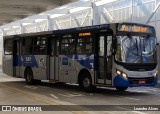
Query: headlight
point(118, 72)
point(156, 73)
point(124, 75)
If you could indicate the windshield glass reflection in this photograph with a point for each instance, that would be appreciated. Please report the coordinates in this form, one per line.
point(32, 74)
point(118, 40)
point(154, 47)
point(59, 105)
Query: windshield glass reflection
point(136, 49)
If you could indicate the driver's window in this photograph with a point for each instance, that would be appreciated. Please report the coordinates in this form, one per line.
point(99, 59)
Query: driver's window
point(101, 46)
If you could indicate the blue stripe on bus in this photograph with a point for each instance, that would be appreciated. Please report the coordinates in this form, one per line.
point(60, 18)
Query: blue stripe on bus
point(31, 63)
point(25, 60)
point(86, 61)
point(119, 81)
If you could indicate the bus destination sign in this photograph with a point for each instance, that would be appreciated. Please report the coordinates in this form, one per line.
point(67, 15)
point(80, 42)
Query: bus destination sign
point(134, 28)
point(85, 34)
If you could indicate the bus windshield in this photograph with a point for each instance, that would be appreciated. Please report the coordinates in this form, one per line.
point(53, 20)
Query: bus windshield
point(136, 49)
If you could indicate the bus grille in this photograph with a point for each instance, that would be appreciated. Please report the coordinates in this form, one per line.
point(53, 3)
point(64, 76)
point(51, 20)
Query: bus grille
point(137, 80)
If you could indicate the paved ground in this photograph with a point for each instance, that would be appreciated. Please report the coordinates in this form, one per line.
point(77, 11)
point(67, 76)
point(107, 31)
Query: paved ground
point(14, 91)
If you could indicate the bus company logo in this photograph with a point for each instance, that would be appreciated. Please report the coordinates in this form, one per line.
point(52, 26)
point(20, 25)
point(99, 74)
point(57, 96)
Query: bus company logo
point(41, 61)
point(21, 108)
point(150, 73)
point(6, 108)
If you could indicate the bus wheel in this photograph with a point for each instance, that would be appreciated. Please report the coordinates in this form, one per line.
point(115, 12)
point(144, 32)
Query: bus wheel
point(121, 88)
point(86, 83)
point(29, 77)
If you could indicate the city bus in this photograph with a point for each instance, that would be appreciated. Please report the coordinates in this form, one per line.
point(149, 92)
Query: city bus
point(119, 55)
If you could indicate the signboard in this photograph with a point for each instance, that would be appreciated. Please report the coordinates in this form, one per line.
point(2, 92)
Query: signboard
point(85, 34)
point(134, 28)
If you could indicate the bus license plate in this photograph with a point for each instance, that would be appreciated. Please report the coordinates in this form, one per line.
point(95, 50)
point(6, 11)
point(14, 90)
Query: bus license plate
point(142, 82)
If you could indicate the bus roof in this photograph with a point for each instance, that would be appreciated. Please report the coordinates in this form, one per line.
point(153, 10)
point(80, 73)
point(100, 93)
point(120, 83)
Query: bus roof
point(73, 30)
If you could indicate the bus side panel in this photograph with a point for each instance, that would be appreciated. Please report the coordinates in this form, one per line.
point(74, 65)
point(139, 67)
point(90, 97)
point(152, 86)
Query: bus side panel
point(38, 64)
point(71, 65)
point(41, 70)
point(53, 68)
point(67, 71)
point(8, 64)
point(85, 62)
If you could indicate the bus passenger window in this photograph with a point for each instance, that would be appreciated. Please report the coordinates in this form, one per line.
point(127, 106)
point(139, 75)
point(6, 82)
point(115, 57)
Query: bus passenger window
point(57, 47)
point(67, 44)
point(8, 46)
point(84, 45)
point(27, 46)
point(40, 45)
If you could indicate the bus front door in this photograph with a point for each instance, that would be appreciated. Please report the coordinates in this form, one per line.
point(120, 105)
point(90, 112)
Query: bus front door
point(53, 64)
point(104, 50)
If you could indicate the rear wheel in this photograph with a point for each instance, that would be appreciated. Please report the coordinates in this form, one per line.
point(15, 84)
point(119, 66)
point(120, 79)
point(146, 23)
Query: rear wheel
point(29, 76)
point(121, 88)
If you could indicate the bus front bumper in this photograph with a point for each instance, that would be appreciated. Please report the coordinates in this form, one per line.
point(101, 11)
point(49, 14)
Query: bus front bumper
point(119, 81)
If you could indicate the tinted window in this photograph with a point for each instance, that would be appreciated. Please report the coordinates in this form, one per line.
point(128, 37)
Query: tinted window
point(67, 44)
point(84, 45)
point(8, 46)
point(27, 46)
point(40, 45)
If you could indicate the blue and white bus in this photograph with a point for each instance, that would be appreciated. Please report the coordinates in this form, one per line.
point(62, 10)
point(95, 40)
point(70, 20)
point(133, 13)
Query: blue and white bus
point(119, 55)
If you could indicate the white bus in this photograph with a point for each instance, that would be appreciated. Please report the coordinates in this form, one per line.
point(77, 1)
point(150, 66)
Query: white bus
point(119, 55)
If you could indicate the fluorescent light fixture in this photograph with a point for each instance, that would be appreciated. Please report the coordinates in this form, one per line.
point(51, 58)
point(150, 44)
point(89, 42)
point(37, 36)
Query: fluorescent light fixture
point(62, 7)
point(15, 26)
point(25, 24)
point(84, 0)
point(78, 9)
point(38, 20)
point(56, 15)
point(102, 2)
point(6, 28)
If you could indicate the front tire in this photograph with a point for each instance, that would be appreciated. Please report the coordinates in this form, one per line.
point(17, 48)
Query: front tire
point(29, 77)
point(121, 88)
point(86, 83)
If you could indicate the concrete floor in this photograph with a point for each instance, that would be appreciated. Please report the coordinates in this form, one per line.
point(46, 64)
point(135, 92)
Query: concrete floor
point(11, 94)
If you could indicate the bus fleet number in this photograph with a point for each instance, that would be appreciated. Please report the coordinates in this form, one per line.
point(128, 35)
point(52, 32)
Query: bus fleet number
point(28, 59)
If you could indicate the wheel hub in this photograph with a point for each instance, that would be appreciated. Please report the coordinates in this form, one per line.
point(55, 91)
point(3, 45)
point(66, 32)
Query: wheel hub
point(86, 82)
